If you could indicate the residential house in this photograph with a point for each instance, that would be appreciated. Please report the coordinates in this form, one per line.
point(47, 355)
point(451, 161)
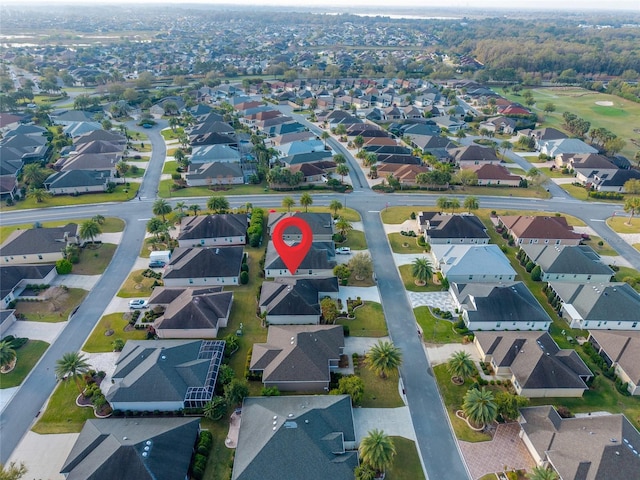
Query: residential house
point(539, 229)
point(319, 261)
point(591, 168)
point(15, 278)
point(309, 157)
point(290, 137)
point(312, 174)
point(616, 181)
point(473, 155)
point(191, 312)
point(472, 263)
point(88, 162)
point(298, 147)
point(7, 319)
point(214, 153)
point(504, 125)
point(74, 182)
point(568, 263)
point(214, 138)
point(298, 358)
point(452, 124)
point(214, 173)
point(160, 109)
point(76, 129)
point(313, 437)
point(499, 306)
point(553, 148)
point(8, 187)
point(586, 447)
point(165, 375)
point(404, 173)
point(543, 135)
point(115, 138)
point(435, 145)
point(295, 301)
point(133, 448)
point(38, 245)
point(197, 267)
point(66, 117)
point(495, 175)
point(213, 230)
point(321, 225)
point(533, 362)
point(439, 228)
point(620, 350)
point(606, 306)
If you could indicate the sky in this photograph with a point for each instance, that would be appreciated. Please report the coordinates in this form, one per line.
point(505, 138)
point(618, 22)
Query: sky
point(363, 5)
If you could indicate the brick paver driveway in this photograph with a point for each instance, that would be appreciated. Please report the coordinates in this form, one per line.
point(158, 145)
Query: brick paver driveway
point(505, 450)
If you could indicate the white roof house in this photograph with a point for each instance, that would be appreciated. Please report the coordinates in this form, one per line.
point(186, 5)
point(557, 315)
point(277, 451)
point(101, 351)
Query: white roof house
point(472, 263)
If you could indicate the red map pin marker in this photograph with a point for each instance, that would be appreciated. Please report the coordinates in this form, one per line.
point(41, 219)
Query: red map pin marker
point(292, 256)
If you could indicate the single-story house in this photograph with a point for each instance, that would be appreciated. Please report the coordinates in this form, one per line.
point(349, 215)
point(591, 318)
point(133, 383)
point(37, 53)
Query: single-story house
point(499, 306)
point(298, 358)
point(472, 263)
point(405, 174)
point(7, 319)
point(605, 306)
point(534, 363)
point(616, 181)
point(471, 155)
point(73, 182)
point(622, 351)
point(165, 375)
point(499, 125)
point(311, 172)
point(439, 228)
point(586, 447)
point(545, 134)
point(452, 124)
point(214, 173)
point(133, 448)
point(494, 175)
point(295, 301)
point(318, 262)
point(541, 229)
point(214, 153)
point(198, 267)
point(191, 312)
point(553, 148)
point(568, 263)
point(310, 437)
point(38, 245)
point(213, 230)
point(302, 158)
point(15, 278)
point(298, 147)
point(321, 225)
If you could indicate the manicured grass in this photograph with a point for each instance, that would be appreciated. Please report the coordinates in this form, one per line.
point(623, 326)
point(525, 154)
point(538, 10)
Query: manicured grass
point(554, 173)
point(136, 285)
point(62, 414)
point(452, 396)
point(404, 244)
point(52, 311)
point(355, 240)
point(220, 461)
point(165, 192)
point(64, 200)
point(410, 283)
point(636, 246)
point(621, 224)
point(530, 192)
point(369, 321)
point(394, 215)
point(99, 342)
point(169, 134)
point(605, 249)
point(435, 330)
point(406, 464)
point(94, 261)
point(169, 167)
point(379, 392)
point(28, 355)
point(110, 225)
point(575, 191)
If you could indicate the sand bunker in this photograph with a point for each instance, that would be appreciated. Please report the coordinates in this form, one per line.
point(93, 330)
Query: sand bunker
point(605, 103)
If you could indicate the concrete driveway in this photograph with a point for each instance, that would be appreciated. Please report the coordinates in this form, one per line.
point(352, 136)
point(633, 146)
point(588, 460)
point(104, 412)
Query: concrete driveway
point(393, 421)
point(439, 354)
point(86, 282)
point(44, 455)
point(441, 300)
point(360, 345)
point(44, 331)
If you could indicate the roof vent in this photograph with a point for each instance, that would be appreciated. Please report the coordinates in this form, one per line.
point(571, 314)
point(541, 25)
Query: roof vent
point(145, 454)
point(290, 415)
point(217, 251)
point(275, 417)
point(148, 442)
point(125, 438)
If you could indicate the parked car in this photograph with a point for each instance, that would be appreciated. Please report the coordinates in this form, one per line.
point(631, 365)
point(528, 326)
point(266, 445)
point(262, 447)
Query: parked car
point(156, 264)
point(343, 251)
point(137, 304)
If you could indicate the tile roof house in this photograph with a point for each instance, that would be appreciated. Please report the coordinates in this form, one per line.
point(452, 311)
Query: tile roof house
point(588, 448)
point(406, 174)
point(568, 263)
point(165, 375)
point(191, 312)
point(606, 306)
point(622, 351)
point(128, 449)
point(198, 267)
point(534, 363)
point(494, 175)
point(38, 245)
point(298, 358)
point(472, 263)
point(15, 278)
point(503, 306)
point(321, 225)
point(213, 230)
point(313, 437)
point(318, 262)
point(540, 229)
point(439, 228)
point(295, 301)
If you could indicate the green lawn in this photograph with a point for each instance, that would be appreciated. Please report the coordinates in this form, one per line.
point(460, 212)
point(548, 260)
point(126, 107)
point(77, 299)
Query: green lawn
point(169, 134)
point(554, 173)
point(369, 321)
point(410, 283)
point(165, 192)
point(54, 310)
point(394, 215)
point(379, 392)
point(435, 330)
point(136, 285)
point(28, 355)
point(169, 167)
point(220, 459)
point(621, 224)
point(406, 464)
point(404, 244)
point(605, 249)
point(580, 193)
point(530, 192)
point(62, 414)
point(99, 342)
point(452, 396)
point(355, 240)
point(110, 225)
point(119, 195)
point(94, 261)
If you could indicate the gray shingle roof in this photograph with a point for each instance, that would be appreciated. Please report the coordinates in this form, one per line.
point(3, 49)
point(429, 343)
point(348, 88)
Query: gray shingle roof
point(320, 223)
point(204, 262)
point(192, 310)
point(12, 275)
point(213, 226)
point(567, 259)
point(456, 226)
point(78, 179)
point(623, 348)
point(472, 260)
point(610, 301)
point(37, 240)
point(321, 256)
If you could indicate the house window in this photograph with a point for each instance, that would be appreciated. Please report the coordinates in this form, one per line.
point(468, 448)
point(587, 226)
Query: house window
point(202, 242)
point(498, 325)
point(470, 277)
point(39, 257)
point(634, 324)
point(531, 240)
point(310, 272)
point(191, 280)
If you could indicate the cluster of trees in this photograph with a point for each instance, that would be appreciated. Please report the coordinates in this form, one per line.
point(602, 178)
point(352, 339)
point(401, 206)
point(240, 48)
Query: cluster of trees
point(576, 125)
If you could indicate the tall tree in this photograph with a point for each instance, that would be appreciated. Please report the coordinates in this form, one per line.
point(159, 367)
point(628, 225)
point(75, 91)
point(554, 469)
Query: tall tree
point(479, 406)
point(471, 203)
point(34, 175)
point(74, 365)
point(454, 204)
point(7, 353)
point(343, 226)
point(122, 168)
point(335, 205)
point(306, 201)
point(443, 203)
point(324, 136)
point(218, 204)
point(542, 473)
point(38, 194)
point(195, 209)
point(288, 202)
point(361, 265)
point(461, 365)
point(235, 391)
point(383, 358)
point(339, 158)
point(157, 227)
point(342, 170)
point(180, 206)
point(377, 450)
point(89, 230)
point(215, 409)
point(422, 270)
point(631, 205)
point(99, 219)
point(358, 141)
point(161, 207)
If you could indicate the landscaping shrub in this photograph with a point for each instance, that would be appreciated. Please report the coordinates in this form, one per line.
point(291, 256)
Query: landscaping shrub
point(255, 230)
point(270, 392)
point(176, 176)
point(64, 266)
point(536, 273)
point(345, 330)
point(244, 267)
point(564, 412)
point(529, 266)
point(244, 278)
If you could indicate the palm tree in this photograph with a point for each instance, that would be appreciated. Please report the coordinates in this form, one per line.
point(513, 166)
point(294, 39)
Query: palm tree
point(461, 365)
point(288, 202)
point(157, 227)
point(542, 473)
point(364, 472)
point(358, 141)
point(7, 353)
point(383, 358)
point(342, 170)
point(324, 136)
point(99, 219)
point(215, 409)
point(38, 194)
point(454, 204)
point(377, 450)
point(471, 203)
point(89, 230)
point(218, 204)
point(422, 270)
point(339, 158)
point(180, 206)
point(74, 365)
point(443, 203)
point(34, 175)
point(631, 205)
point(161, 207)
point(335, 205)
point(306, 201)
point(343, 226)
point(505, 145)
point(195, 209)
point(479, 406)
point(122, 168)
